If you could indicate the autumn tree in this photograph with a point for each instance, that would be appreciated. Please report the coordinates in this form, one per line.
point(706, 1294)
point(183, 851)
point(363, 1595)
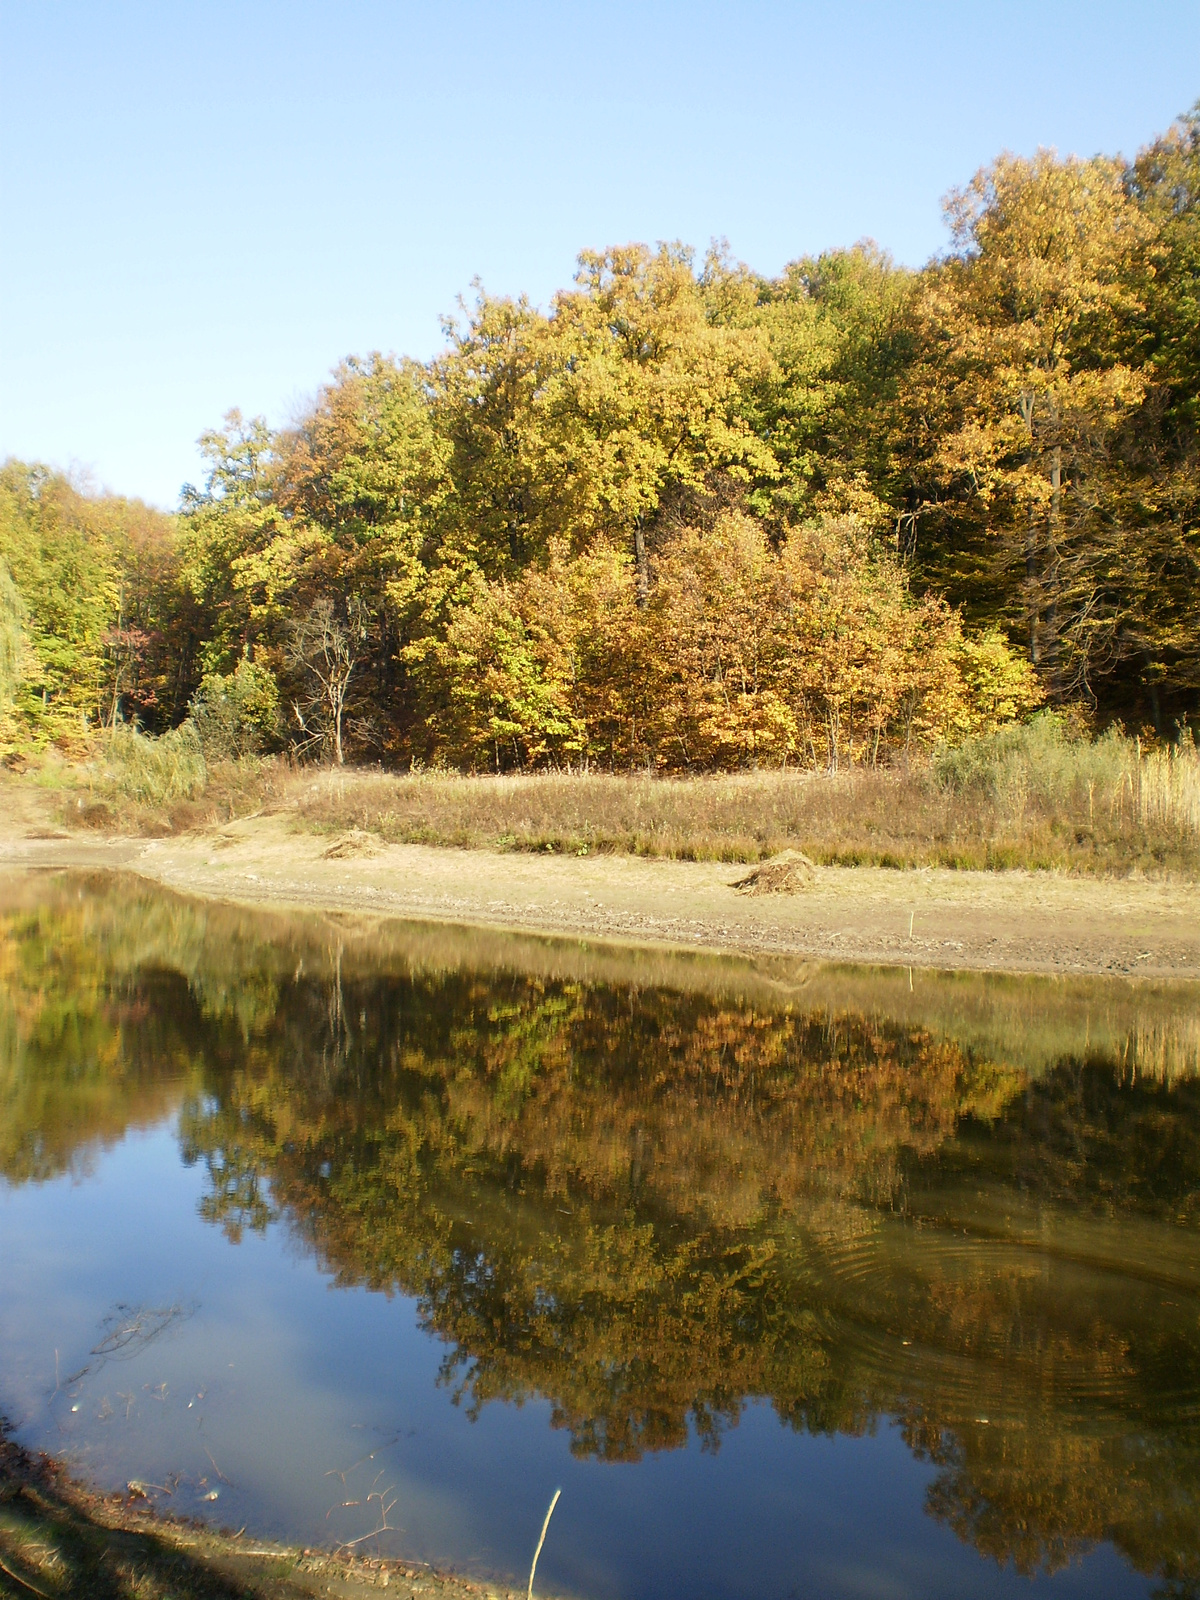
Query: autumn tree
point(1161, 570)
point(1022, 387)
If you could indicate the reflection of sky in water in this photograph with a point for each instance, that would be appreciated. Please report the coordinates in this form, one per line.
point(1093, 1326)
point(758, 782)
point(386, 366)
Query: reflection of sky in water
point(949, 1229)
point(278, 1383)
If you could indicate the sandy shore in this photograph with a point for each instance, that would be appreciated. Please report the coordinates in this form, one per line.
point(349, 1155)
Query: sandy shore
point(1000, 922)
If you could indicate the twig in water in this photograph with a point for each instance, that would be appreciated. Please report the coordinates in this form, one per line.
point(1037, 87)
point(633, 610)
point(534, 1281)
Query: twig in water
point(541, 1542)
point(911, 915)
point(217, 1469)
point(386, 1508)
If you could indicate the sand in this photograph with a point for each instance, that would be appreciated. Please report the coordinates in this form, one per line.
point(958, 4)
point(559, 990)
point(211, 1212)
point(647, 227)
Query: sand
point(987, 922)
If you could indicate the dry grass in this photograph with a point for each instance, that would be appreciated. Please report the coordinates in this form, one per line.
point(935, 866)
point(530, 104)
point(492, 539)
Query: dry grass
point(1033, 797)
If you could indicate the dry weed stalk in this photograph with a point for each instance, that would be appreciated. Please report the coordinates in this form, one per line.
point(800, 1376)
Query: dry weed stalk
point(541, 1541)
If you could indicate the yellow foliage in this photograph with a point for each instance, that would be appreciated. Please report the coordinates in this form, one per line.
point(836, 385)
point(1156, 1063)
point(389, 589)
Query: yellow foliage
point(744, 655)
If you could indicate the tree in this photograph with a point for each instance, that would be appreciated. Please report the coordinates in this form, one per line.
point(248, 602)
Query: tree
point(1022, 386)
point(107, 631)
point(12, 641)
point(327, 645)
point(238, 546)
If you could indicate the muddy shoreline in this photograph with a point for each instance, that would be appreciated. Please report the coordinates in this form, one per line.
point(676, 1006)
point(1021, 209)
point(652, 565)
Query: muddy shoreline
point(1015, 922)
point(60, 1538)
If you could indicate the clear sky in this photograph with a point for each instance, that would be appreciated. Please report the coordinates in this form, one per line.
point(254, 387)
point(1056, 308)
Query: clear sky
point(207, 204)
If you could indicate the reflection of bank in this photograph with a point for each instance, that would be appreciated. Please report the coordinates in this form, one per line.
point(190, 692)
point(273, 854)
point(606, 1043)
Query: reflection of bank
point(652, 1188)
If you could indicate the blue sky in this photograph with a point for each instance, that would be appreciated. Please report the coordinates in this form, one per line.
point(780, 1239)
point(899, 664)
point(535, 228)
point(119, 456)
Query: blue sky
point(208, 204)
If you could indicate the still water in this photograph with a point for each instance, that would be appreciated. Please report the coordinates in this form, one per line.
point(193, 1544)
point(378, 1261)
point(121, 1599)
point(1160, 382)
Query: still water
point(799, 1281)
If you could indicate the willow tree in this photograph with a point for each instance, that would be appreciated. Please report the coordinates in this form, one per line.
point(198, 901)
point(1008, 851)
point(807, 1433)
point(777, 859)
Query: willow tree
point(12, 640)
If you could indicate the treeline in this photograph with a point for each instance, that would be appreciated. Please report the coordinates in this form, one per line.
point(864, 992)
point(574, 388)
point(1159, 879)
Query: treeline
point(688, 518)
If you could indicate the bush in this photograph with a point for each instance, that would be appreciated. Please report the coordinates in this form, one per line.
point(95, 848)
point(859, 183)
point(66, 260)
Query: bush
point(1050, 763)
point(237, 714)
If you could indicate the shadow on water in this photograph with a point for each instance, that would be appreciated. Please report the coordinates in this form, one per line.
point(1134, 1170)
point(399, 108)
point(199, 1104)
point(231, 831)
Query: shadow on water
point(652, 1189)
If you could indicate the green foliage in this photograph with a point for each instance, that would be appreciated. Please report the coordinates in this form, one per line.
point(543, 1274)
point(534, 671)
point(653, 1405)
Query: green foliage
point(154, 771)
point(1051, 762)
point(12, 641)
point(67, 579)
point(237, 714)
point(108, 633)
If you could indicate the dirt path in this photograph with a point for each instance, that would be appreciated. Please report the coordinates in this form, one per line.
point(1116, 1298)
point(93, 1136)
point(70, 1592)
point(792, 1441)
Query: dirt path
point(1010, 922)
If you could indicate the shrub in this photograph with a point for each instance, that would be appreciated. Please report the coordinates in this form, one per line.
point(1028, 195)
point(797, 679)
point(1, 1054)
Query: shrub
point(151, 771)
point(237, 714)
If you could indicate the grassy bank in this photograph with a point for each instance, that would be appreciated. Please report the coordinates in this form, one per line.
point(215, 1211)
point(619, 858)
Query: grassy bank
point(57, 1539)
point(1034, 797)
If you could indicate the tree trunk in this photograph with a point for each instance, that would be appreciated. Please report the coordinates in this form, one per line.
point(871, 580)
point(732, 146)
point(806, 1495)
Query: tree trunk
point(1052, 641)
point(1031, 584)
point(643, 566)
point(338, 702)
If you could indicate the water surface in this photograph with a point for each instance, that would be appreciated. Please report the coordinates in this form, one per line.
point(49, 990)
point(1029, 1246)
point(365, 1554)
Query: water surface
point(799, 1281)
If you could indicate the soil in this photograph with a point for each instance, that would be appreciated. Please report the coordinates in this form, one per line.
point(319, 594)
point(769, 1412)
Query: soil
point(925, 917)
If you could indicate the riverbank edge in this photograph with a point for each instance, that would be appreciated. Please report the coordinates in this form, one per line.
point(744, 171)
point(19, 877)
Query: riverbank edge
point(58, 1537)
point(1018, 923)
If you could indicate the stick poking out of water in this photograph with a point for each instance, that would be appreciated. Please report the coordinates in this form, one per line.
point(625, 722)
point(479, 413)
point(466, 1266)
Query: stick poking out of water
point(542, 1541)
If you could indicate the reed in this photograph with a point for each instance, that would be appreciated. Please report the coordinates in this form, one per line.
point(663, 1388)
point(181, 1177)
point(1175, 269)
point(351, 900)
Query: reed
point(134, 766)
point(541, 1541)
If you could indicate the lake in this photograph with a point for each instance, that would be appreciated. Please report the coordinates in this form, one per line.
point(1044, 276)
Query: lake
point(799, 1281)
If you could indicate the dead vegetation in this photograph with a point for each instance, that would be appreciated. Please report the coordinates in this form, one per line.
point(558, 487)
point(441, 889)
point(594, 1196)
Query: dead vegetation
point(352, 845)
point(790, 872)
point(1034, 799)
point(1037, 797)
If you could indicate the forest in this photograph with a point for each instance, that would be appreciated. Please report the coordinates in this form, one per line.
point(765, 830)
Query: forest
point(687, 519)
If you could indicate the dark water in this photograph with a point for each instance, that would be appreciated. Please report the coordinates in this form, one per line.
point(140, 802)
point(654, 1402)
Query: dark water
point(798, 1281)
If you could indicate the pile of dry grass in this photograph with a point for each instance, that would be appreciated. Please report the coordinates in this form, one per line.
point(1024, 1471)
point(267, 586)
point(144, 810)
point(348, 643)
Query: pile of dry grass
point(790, 872)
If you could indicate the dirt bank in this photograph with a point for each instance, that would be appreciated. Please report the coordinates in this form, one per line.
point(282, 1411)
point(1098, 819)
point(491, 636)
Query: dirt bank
point(1002, 922)
point(57, 1538)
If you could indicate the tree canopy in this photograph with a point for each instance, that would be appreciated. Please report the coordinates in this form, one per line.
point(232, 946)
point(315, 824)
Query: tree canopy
point(687, 516)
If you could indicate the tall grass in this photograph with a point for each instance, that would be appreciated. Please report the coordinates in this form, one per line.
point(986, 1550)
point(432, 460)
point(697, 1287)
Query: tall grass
point(1038, 796)
point(1040, 764)
point(154, 772)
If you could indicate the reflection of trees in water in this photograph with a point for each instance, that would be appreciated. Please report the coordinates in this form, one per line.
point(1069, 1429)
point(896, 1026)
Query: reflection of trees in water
point(1087, 1134)
point(652, 1207)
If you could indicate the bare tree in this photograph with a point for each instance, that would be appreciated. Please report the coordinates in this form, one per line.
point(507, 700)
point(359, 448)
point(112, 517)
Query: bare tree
point(328, 644)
